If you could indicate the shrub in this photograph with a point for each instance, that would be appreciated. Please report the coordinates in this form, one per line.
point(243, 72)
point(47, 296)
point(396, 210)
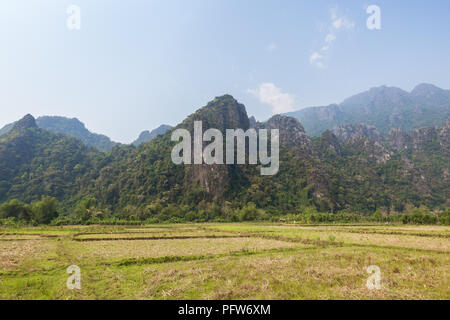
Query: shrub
point(11, 222)
point(45, 210)
point(444, 218)
point(234, 218)
point(15, 209)
point(248, 213)
point(420, 215)
point(85, 209)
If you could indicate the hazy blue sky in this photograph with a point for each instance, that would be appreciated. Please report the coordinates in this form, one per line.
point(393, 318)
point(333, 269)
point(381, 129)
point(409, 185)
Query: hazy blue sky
point(136, 64)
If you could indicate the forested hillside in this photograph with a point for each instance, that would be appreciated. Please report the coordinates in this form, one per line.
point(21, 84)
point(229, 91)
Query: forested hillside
point(353, 168)
point(72, 128)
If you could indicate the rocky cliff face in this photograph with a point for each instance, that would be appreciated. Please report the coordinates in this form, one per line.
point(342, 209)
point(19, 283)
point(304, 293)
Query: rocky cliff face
point(329, 143)
point(420, 139)
point(422, 136)
point(361, 145)
point(363, 139)
point(222, 113)
point(444, 136)
point(291, 131)
point(226, 113)
point(353, 133)
point(398, 140)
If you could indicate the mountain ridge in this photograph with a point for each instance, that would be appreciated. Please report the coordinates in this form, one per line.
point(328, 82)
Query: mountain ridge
point(71, 127)
point(147, 136)
point(384, 107)
point(351, 173)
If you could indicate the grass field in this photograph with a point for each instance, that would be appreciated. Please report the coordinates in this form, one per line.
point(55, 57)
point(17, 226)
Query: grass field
point(226, 261)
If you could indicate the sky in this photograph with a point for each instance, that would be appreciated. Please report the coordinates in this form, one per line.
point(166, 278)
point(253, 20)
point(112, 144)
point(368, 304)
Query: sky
point(134, 65)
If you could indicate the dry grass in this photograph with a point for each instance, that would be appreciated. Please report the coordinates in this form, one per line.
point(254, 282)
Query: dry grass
point(326, 274)
point(352, 237)
point(149, 236)
point(15, 254)
point(117, 250)
point(254, 262)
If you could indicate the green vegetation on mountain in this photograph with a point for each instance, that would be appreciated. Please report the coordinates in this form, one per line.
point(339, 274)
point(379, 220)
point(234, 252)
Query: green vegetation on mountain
point(72, 128)
point(35, 163)
point(351, 172)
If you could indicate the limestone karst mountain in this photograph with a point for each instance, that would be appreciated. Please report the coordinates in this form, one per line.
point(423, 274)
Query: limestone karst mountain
point(71, 128)
point(353, 168)
point(384, 107)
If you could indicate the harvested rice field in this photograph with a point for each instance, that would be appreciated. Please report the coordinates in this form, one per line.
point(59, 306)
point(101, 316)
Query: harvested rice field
point(226, 261)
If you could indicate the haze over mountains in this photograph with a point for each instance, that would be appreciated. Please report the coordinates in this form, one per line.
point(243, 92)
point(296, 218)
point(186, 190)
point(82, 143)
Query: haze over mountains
point(75, 128)
point(352, 168)
point(384, 107)
point(147, 136)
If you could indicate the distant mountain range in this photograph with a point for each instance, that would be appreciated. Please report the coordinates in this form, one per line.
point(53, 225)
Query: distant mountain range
point(384, 107)
point(75, 128)
point(147, 136)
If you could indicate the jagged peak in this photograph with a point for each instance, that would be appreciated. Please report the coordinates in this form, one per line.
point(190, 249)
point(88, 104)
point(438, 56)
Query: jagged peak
point(25, 123)
point(223, 112)
point(226, 98)
point(147, 135)
point(225, 101)
point(284, 122)
point(292, 133)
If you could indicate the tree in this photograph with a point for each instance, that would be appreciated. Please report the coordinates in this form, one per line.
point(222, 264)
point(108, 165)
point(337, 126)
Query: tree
point(15, 209)
point(45, 210)
point(85, 208)
point(249, 212)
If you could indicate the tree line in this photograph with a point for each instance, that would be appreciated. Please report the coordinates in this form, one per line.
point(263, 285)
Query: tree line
point(89, 211)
